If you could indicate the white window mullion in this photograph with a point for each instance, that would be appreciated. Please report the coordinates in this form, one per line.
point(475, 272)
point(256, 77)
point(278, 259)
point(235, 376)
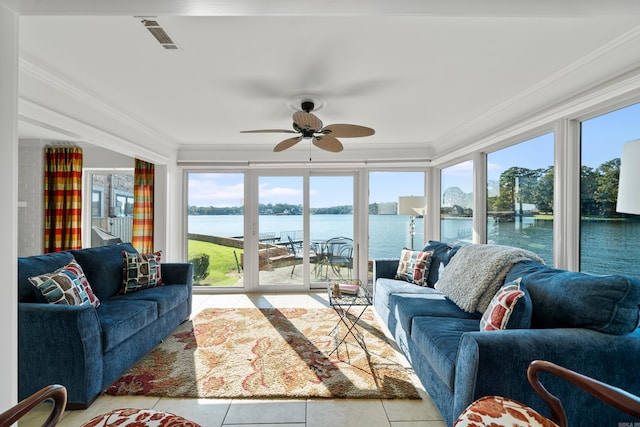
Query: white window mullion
point(479, 197)
point(566, 199)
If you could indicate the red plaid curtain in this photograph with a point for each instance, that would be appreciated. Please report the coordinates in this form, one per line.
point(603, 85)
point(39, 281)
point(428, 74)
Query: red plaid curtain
point(62, 198)
point(143, 206)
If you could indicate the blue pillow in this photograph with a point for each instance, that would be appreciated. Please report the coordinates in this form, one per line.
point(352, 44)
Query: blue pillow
point(565, 299)
point(442, 253)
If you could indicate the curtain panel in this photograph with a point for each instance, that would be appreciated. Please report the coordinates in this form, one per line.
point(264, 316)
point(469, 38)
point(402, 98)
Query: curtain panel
point(62, 198)
point(142, 234)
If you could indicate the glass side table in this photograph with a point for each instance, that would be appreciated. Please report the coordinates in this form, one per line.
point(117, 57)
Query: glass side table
point(350, 308)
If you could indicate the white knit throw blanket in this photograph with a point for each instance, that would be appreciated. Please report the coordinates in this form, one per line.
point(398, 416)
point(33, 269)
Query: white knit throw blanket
point(476, 272)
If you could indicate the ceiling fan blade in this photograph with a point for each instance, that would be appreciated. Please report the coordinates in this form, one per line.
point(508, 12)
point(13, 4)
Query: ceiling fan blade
point(328, 143)
point(347, 131)
point(307, 120)
point(269, 131)
point(287, 143)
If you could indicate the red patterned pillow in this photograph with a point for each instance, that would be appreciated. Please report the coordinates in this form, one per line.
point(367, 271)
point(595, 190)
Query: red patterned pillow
point(499, 411)
point(139, 418)
point(501, 307)
point(414, 266)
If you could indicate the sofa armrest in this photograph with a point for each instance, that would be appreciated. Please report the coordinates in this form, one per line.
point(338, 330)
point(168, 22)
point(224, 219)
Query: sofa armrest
point(177, 273)
point(180, 273)
point(495, 363)
point(59, 344)
point(385, 268)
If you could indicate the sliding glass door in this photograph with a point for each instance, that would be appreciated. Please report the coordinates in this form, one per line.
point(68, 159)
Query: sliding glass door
point(280, 243)
point(271, 231)
point(331, 229)
point(215, 229)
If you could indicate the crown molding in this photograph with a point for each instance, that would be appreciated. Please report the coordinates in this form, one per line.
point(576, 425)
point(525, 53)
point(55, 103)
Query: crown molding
point(596, 56)
point(91, 101)
point(33, 112)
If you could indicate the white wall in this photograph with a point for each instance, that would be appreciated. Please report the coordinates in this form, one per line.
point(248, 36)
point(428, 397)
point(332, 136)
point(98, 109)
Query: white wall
point(98, 157)
point(9, 212)
point(30, 200)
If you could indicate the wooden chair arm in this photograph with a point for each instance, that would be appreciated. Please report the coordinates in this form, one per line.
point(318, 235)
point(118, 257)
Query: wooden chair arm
point(614, 396)
point(55, 392)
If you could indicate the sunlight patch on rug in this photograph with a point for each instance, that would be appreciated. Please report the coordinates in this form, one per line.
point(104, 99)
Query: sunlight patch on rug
point(268, 353)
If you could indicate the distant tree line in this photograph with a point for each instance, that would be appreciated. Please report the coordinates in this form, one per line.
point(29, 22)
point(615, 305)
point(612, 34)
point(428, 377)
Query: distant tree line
point(517, 188)
point(521, 189)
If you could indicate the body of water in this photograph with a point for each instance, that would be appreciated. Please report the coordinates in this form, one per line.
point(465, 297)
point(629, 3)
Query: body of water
point(607, 247)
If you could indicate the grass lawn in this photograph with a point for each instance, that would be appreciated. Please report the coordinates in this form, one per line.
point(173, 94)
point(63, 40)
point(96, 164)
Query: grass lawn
point(221, 262)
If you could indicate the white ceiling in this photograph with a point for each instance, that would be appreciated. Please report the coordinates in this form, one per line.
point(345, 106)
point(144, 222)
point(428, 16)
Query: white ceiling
point(429, 76)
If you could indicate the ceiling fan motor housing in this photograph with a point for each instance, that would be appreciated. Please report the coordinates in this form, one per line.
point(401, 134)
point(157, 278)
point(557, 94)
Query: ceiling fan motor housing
point(307, 106)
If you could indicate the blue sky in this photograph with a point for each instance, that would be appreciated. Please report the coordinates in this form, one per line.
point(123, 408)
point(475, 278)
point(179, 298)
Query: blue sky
point(602, 140)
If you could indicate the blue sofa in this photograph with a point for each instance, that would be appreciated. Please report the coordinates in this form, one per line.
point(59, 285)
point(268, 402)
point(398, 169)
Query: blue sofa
point(583, 322)
point(86, 348)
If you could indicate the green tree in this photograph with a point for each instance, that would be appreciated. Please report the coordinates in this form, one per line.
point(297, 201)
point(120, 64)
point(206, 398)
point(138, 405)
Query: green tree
point(606, 194)
point(516, 186)
point(588, 186)
point(542, 195)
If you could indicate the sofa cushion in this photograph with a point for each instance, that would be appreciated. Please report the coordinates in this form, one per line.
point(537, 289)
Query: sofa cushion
point(166, 297)
point(406, 307)
point(442, 254)
point(564, 299)
point(120, 318)
point(414, 266)
point(510, 308)
point(140, 271)
point(386, 287)
point(34, 266)
point(437, 339)
point(64, 286)
point(103, 267)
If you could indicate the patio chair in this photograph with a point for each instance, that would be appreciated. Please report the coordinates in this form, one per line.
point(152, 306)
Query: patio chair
point(339, 254)
point(505, 411)
point(296, 249)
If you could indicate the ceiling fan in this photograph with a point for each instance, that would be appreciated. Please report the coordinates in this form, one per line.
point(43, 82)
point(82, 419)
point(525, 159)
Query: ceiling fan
point(310, 127)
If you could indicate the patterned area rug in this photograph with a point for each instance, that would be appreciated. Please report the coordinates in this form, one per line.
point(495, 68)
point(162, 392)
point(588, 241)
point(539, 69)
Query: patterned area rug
point(268, 353)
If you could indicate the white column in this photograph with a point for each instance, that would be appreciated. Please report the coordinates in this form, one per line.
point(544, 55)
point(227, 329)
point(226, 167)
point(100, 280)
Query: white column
point(566, 195)
point(432, 218)
point(9, 196)
point(480, 197)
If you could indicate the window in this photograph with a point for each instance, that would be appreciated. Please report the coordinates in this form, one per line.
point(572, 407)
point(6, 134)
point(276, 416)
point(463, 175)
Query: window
point(520, 196)
point(388, 231)
point(456, 208)
point(608, 240)
point(96, 202)
point(111, 207)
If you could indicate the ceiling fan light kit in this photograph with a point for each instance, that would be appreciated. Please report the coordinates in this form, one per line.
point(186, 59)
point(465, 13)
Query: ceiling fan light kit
point(310, 126)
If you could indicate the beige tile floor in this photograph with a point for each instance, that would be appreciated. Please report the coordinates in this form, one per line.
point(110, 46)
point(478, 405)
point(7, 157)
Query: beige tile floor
point(268, 413)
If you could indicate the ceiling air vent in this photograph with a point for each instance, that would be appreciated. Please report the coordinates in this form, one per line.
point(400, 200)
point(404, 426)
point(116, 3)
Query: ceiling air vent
point(158, 33)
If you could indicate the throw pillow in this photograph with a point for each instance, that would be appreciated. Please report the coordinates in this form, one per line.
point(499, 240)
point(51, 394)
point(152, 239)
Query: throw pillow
point(414, 266)
point(502, 309)
point(140, 271)
point(75, 268)
point(66, 285)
